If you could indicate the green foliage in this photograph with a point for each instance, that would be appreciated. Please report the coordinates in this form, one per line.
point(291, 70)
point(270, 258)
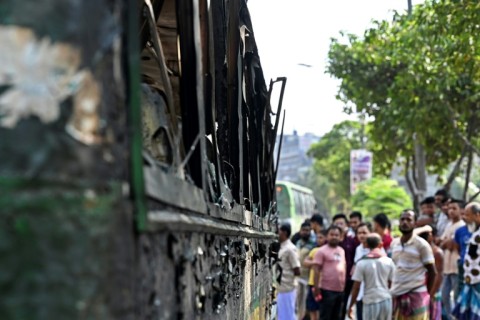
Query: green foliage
point(418, 76)
point(332, 155)
point(324, 192)
point(381, 195)
point(331, 172)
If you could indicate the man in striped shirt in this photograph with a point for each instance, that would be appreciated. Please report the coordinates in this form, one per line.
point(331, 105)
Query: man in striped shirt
point(415, 272)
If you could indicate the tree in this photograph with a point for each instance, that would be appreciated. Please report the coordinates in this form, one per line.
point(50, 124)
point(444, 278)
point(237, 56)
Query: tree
point(381, 195)
point(332, 160)
point(419, 81)
point(323, 189)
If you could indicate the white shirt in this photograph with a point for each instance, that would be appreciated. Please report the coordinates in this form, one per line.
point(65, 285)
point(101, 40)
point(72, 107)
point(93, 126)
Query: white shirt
point(361, 252)
point(288, 260)
point(375, 274)
point(441, 223)
point(450, 257)
point(410, 259)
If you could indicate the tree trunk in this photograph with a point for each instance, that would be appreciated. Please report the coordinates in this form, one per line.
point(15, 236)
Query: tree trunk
point(455, 170)
point(420, 173)
point(410, 183)
point(467, 176)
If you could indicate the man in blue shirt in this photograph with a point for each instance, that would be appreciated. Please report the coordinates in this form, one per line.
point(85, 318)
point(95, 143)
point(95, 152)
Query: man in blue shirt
point(462, 236)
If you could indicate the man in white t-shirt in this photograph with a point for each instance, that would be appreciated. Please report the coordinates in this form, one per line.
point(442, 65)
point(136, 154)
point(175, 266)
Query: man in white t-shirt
point(363, 231)
point(288, 268)
point(375, 271)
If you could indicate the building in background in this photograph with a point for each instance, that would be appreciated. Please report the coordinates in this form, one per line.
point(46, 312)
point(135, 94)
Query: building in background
point(293, 156)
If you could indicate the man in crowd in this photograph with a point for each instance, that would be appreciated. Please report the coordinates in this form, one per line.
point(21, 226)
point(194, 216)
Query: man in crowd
point(355, 220)
point(316, 222)
point(288, 268)
point(381, 225)
point(375, 272)
point(428, 233)
point(363, 232)
point(348, 244)
point(330, 267)
point(440, 197)
point(468, 303)
point(296, 236)
point(414, 263)
point(442, 219)
point(304, 245)
point(428, 208)
point(462, 237)
point(451, 255)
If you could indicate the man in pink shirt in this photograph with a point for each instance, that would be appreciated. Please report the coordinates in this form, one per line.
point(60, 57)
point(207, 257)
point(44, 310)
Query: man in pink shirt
point(329, 262)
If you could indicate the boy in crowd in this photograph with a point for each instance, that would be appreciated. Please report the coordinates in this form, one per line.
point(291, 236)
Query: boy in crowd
point(304, 246)
point(330, 266)
point(451, 255)
point(375, 271)
point(288, 268)
point(312, 305)
point(414, 261)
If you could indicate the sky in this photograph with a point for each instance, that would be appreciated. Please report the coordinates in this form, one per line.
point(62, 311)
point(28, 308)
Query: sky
point(292, 34)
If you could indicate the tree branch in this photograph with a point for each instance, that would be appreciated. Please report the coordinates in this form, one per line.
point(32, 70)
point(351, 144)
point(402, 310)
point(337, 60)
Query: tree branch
point(414, 175)
point(455, 169)
point(459, 133)
point(467, 177)
point(474, 196)
point(410, 185)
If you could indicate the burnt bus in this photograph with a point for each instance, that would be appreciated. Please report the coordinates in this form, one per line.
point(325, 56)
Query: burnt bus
point(137, 176)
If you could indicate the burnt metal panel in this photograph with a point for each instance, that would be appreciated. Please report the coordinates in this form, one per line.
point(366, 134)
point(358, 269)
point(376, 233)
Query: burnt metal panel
point(193, 119)
point(167, 188)
point(184, 138)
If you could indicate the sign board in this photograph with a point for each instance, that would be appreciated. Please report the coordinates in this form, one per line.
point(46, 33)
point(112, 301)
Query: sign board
point(360, 168)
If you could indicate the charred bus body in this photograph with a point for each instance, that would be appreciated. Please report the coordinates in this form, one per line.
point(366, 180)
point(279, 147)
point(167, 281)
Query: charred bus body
point(137, 178)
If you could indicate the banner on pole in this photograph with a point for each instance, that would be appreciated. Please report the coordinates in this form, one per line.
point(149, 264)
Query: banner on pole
point(360, 168)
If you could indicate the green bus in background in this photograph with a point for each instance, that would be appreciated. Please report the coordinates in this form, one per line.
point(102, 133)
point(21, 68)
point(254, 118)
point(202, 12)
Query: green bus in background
point(295, 203)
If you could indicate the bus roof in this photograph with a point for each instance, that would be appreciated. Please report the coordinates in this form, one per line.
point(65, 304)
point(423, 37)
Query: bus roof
point(294, 186)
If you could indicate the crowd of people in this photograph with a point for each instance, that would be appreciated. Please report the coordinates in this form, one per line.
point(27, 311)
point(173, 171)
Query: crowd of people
point(356, 269)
